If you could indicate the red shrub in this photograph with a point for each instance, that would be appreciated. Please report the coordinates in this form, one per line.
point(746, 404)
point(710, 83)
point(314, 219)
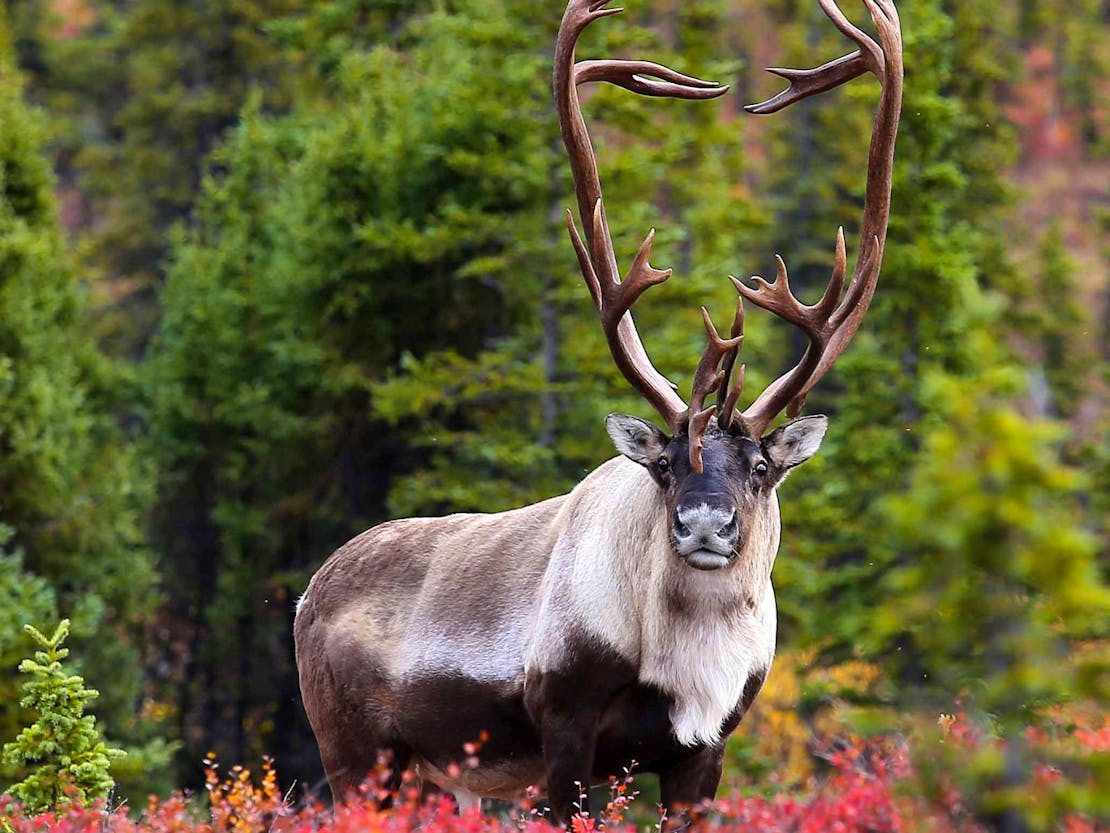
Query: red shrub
point(870, 787)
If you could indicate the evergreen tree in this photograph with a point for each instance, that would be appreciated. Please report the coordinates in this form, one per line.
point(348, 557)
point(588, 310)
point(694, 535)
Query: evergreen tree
point(62, 753)
point(994, 585)
point(147, 90)
point(374, 310)
point(930, 314)
point(313, 266)
point(940, 533)
point(235, 458)
point(72, 491)
point(994, 562)
point(526, 413)
point(1058, 321)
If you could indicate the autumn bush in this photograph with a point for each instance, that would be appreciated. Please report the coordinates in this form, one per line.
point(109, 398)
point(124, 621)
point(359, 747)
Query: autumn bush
point(882, 784)
point(967, 765)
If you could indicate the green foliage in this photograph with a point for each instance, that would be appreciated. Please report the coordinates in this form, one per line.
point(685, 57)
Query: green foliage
point(938, 532)
point(73, 489)
point(148, 90)
point(62, 753)
point(931, 313)
point(223, 403)
point(480, 416)
point(23, 597)
point(994, 564)
point(393, 253)
point(1058, 320)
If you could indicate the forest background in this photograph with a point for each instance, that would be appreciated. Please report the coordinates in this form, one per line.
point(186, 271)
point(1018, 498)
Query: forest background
point(274, 271)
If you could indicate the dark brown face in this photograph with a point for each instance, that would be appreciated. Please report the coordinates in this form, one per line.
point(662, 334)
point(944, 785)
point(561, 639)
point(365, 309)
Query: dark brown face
point(709, 514)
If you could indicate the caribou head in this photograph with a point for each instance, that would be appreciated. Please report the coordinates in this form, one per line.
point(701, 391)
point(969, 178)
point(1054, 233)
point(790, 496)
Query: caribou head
point(711, 511)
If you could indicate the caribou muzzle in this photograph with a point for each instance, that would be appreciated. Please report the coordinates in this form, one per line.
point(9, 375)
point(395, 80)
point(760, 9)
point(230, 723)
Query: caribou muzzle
point(706, 535)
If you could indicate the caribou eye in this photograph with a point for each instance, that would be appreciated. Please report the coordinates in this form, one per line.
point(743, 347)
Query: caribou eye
point(760, 468)
point(664, 464)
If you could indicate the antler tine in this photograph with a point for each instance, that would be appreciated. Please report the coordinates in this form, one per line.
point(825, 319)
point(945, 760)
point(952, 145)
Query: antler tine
point(870, 51)
point(807, 82)
point(698, 423)
point(826, 306)
point(829, 326)
point(733, 398)
point(778, 299)
point(707, 378)
point(596, 257)
point(637, 76)
point(870, 57)
point(724, 391)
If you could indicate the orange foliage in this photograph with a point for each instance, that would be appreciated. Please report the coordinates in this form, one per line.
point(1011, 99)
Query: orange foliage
point(867, 787)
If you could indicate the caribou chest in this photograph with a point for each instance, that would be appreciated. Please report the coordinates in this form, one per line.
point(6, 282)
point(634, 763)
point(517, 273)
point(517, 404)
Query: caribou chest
point(702, 651)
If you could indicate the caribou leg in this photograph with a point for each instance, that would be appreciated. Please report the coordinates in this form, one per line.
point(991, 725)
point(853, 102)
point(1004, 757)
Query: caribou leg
point(569, 745)
point(566, 707)
point(351, 765)
point(688, 785)
point(467, 801)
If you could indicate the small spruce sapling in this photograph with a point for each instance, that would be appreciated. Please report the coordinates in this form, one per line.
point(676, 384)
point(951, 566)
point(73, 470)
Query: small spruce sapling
point(62, 753)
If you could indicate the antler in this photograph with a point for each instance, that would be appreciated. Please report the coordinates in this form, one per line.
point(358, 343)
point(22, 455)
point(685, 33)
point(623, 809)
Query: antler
point(596, 257)
point(728, 391)
point(829, 326)
point(707, 379)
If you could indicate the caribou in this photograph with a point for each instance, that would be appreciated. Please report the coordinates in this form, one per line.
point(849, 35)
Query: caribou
point(632, 619)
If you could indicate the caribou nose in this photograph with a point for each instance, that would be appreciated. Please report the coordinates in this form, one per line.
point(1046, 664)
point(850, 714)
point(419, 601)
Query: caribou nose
point(730, 531)
point(704, 526)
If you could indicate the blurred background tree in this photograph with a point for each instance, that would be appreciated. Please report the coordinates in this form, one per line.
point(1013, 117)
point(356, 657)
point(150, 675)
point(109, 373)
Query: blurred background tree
point(142, 92)
point(325, 281)
point(73, 488)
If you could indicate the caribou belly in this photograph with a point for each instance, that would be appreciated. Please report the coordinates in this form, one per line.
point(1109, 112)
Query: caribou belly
point(470, 735)
point(636, 733)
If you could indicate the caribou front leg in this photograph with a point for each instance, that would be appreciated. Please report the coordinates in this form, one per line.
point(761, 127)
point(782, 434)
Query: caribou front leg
point(686, 787)
point(569, 744)
point(566, 708)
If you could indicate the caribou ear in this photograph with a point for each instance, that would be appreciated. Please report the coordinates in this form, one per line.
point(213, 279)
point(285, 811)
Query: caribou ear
point(792, 444)
point(635, 438)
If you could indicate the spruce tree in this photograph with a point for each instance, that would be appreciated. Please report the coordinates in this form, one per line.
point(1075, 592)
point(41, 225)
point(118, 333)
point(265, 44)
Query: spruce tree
point(1060, 325)
point(526, 413)
point(62, 754)
point(994, 594)
point(932, 310)
point(996, 562)
point(939, 533)
point(142, 93)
